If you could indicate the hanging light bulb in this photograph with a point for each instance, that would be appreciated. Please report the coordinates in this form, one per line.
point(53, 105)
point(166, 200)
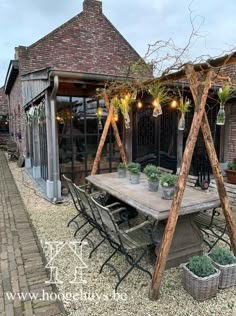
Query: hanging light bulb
point(139, 104)
point(157, 108)
point(99, 117)
point(221, 116)
point(174, 104)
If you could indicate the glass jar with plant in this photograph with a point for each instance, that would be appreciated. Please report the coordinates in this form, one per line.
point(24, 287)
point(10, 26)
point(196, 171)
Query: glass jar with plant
point(168, 182)
point(201, 278)
point(183, 107)
point(224, 261)
point(160, 96)
point(224, 95)
point(121, 170)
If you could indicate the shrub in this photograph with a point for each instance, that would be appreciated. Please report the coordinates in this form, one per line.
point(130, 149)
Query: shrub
point(121, 165)
point(153, 177)
point(232, 165)
point(150, 169)
point(134, 167)
point(222, 256)
point(168, 180)
point(201, 266)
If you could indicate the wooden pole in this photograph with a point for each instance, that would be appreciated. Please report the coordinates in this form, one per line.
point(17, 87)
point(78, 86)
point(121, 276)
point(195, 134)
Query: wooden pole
point(225, 204)
point(116, 132)
point(202, 89)
point(102, 141)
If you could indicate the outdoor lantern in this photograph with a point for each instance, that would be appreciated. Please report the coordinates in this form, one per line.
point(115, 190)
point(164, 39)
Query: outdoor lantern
point(157, 108)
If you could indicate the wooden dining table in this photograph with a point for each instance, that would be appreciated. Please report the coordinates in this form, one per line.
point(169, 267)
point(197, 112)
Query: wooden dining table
point(188, 240)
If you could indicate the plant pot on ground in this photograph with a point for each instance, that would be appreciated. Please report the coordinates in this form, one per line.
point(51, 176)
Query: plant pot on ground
point(201, 278)
point(224, 261)
point(121, 170)
point(231, 172)
point(168, 182)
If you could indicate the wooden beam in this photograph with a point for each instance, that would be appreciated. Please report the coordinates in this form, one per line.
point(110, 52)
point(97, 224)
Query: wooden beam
point(202, 89)
point(116, 132)
point(209, 143)
point(102, 140)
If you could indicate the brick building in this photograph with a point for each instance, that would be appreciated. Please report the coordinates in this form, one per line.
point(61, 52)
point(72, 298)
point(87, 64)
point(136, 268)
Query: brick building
point(51, 86)
point(3, 112)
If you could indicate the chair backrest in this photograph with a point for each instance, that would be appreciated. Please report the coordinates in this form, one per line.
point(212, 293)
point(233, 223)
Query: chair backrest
point(230, 189)
point(106, 216)
point(72, 191)
point(164, 170)
point(191, 181)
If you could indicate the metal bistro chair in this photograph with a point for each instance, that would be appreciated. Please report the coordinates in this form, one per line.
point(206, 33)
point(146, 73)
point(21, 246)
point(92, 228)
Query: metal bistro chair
point(75, 199)
point(124, 241)
point(91, 216)
point(211, 223)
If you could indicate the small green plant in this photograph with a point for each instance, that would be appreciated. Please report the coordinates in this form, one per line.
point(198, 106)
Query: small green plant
point(150, 169)
point(232, 165)
point(201, 266)
point(184, 105)
point(222, 256)
point(225, 94)
point(134, 167)
point(168, 180)
point(121, 165)
point(153, 177)
point(159, 92)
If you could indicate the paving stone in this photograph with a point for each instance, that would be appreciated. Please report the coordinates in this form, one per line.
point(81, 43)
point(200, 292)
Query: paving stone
point(21, 266)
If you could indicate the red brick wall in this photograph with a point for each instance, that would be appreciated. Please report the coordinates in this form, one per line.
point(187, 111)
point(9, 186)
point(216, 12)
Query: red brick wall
point(87, 43)
point(3, 102)
point(231, 142)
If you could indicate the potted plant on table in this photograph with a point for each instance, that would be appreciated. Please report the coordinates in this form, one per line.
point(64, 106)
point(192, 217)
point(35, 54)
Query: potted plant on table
point(201, 278)
point(121, 170)
point(168, 182)
point(153, 174)
point(224, 261)
point(134, 170)
point(231, 172)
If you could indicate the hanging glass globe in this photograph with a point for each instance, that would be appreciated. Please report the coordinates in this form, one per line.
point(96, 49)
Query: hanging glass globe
point(157, 108)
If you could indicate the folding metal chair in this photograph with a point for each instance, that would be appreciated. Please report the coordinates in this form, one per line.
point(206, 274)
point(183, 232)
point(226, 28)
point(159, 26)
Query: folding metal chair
point(124, 241)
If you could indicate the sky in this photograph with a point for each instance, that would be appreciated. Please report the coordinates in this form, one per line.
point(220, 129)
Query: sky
point(141, 22)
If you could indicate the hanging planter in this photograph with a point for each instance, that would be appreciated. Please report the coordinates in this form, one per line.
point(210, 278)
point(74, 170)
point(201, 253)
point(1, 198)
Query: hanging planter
point(116, 104)
point(159, 95)
point(224, 95)
point(220, 120)
point(124, 107)
point(183, 107)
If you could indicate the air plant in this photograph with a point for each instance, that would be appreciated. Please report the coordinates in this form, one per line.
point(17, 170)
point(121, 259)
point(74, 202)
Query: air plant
point(225, 94)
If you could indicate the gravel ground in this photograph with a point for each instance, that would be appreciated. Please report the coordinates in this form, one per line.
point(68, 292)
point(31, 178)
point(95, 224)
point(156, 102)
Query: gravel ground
point(97, 297)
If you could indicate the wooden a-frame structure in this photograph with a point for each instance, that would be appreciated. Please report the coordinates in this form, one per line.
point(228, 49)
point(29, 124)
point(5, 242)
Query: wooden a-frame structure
point(199, 86)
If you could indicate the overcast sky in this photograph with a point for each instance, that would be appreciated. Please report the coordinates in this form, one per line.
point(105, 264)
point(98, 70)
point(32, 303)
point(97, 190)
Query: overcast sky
point(141, 22)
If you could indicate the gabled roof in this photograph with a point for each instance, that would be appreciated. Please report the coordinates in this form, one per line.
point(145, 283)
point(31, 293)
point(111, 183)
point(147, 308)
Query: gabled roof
point(12, 73)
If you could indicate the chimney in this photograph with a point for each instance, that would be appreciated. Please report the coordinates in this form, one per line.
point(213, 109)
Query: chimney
point(92, 6)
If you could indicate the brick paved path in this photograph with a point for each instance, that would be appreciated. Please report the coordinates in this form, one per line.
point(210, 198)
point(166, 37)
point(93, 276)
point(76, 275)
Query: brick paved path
point(21, 263)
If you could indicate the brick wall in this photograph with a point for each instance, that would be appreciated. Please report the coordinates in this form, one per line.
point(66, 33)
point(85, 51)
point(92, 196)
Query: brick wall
point(231, 142)
point(87, 43)
point(3, 102)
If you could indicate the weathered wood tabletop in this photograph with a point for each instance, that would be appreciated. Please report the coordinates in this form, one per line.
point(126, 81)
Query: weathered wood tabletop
point(151, 203)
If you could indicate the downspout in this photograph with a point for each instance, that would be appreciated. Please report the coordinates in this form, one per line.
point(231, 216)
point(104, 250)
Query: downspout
point(54, 137)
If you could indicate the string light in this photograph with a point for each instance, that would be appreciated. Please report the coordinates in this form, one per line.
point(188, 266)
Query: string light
point(174, 104)
point(139, 104)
